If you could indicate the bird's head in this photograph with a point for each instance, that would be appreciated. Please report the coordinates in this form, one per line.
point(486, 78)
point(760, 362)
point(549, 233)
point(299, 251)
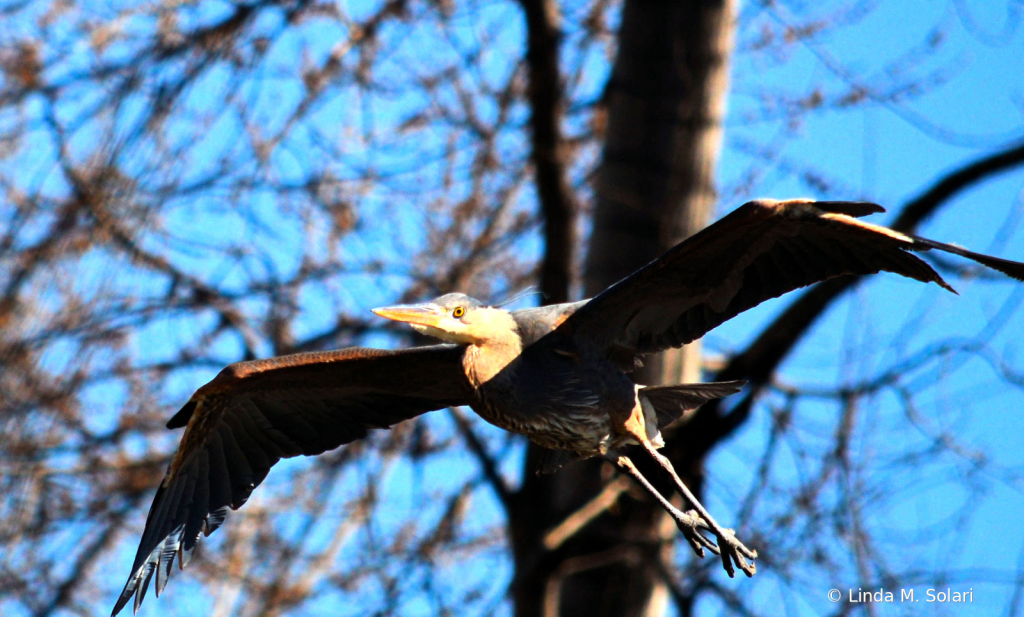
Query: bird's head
point(455, 318)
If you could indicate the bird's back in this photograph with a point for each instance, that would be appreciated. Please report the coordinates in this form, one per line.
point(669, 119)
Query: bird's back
point(535, 323)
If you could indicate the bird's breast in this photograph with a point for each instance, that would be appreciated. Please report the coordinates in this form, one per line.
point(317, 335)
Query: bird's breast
point(558, 400)
point(484, 363)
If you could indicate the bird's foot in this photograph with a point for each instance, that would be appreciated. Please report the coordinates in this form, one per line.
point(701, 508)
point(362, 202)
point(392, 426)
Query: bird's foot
point(692, 526)
point(694, 523)
point(729, 548)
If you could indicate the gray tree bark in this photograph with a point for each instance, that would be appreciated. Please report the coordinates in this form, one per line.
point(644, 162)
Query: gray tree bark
point(665, 103)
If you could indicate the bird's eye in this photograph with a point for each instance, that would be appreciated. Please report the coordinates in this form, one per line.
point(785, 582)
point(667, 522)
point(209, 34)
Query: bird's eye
point(458, 311)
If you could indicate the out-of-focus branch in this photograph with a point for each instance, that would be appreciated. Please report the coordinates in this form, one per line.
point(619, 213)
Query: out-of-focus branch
point(86, 559)
point(548, 149)
point(486, 461)
point(923, 206)
point(593, 508)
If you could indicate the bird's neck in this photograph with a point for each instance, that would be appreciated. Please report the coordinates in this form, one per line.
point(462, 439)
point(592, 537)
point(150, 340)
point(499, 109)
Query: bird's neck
point(485, 359)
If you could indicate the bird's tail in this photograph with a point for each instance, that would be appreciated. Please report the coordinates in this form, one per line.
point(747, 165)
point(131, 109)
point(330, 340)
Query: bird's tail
point(671, 402)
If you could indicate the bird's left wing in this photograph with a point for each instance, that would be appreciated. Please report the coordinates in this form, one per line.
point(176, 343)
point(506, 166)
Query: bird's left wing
point(256, 413)
point(759, 251)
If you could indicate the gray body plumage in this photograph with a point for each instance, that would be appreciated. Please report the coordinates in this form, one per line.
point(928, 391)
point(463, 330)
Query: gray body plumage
point(557, 392)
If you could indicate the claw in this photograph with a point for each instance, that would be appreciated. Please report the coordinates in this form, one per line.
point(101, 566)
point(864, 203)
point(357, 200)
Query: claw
point(730, 549)
point(690, 524)
point(733, 551)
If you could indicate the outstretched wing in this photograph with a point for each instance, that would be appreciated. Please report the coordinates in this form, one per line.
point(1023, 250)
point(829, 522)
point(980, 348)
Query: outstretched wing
point(761, 250)
point(256, 413)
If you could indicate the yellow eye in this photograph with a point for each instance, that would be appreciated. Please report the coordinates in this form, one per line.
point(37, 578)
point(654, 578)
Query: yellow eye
point(458, 311)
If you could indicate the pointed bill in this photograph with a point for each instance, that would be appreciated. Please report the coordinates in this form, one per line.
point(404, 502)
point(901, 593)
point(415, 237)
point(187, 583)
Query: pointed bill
point(419, 314)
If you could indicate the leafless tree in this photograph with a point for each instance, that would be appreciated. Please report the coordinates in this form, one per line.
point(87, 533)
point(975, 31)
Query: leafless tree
point(183, 185)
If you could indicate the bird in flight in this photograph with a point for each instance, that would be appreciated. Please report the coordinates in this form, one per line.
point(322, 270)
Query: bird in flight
point(557, 374)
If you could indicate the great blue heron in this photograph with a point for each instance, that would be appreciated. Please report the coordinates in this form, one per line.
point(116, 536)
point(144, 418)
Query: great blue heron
point(557, 374)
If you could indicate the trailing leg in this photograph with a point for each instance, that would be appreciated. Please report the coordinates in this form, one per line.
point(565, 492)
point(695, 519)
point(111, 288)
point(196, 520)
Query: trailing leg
point(730, 549)
point(640, 426)
point(690, 523)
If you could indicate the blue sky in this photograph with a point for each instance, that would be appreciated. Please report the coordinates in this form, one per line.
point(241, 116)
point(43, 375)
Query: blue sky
point(970, 103)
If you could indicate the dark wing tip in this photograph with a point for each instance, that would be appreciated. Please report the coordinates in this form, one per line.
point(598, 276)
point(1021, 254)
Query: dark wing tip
point(172, 533)
point(121, 601)
point(159, 562)
point(136, 586)
point(1012, 269)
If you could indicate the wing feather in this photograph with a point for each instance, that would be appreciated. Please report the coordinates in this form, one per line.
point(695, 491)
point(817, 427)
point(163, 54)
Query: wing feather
point(257, 451)
point(198, 510)
point(238, 467)
point(278, 444)
point(255, 413)
point(220, 484)
point(759, 251)
point(168, 549)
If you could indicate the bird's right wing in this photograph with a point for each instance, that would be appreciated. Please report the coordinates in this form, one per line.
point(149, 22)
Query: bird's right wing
point(759, 251)
point(256, 413)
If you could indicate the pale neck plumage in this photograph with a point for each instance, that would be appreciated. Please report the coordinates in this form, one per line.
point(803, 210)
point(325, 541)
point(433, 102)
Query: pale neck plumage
point(502, 344)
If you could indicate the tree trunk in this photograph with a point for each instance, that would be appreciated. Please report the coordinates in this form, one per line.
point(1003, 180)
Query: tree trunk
point(665, 103)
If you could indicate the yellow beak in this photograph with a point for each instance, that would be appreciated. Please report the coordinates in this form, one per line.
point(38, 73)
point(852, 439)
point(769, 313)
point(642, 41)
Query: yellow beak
point(420, 314)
